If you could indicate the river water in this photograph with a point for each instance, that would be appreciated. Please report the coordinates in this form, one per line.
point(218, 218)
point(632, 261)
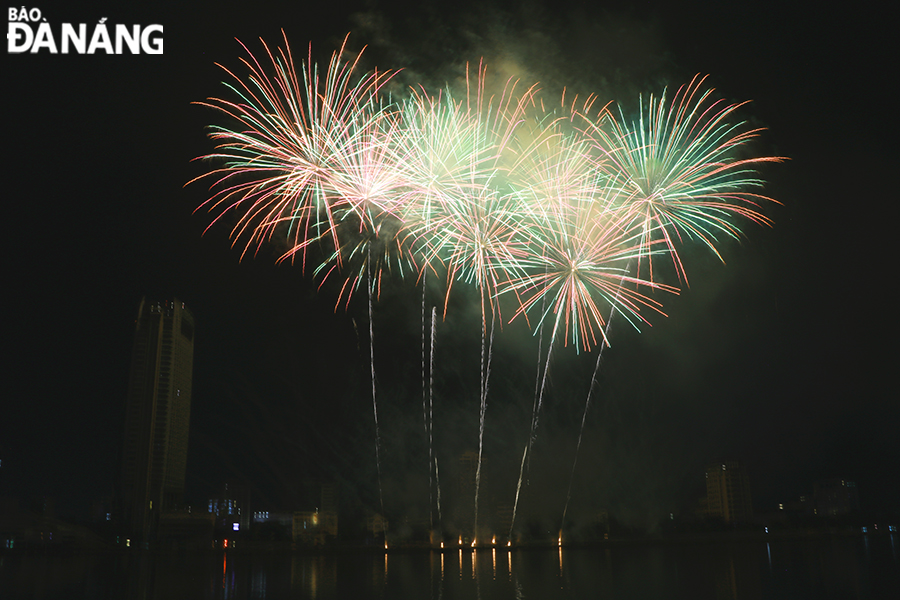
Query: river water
point(861, 568)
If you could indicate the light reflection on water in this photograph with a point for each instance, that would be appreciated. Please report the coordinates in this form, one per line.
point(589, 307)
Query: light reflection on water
point(863, 568)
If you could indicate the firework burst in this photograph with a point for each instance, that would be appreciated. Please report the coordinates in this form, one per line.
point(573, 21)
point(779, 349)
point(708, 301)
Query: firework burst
point(682, 173)
point(494, 189)
point(293, 133)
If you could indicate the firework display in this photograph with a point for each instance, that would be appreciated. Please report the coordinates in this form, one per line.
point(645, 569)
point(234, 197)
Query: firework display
point(562, 212)
point(561, 208)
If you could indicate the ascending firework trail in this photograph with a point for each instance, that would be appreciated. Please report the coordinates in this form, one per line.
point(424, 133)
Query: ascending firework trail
point(587, 404)
point(431, 457)
point(374, 401)
point(425, 420)
point(428, 399)
point(485, 378)
point(538, 398)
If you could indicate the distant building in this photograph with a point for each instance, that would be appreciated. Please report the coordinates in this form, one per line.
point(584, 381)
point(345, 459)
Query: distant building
point(376, 524)
point(328, 510)
point(467, 473)
point(307, 528)
point(282, 519)
point(232, 507)
point(186, 528)
point(317, 526)
point(504, 517)
point(468, 469)
point(157, 416)
point(802, 506)
point(272, 526)
point(834, 497)
point(728, 492)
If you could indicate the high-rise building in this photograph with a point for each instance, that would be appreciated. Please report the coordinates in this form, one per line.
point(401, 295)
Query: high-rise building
point(157, 415)
point(728, 492)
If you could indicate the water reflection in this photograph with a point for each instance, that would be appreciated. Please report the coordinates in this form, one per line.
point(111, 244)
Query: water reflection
point(855, 568)
point(258, 584)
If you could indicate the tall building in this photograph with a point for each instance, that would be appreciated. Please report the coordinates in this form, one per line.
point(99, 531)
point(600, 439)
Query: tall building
point(157, 415)
point(834, 497)
point(728, 492)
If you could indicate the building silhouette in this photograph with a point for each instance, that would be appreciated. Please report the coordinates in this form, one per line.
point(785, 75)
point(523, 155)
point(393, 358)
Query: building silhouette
point(728, 492)
point(320, 525)
point(834, 497)
point(467, 470)
point(157, 416)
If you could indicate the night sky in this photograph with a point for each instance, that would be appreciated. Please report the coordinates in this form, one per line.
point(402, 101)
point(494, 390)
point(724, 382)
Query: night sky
point(783, 358)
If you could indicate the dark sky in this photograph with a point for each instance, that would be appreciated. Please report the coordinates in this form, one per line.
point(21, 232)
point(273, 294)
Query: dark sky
point(782, 358)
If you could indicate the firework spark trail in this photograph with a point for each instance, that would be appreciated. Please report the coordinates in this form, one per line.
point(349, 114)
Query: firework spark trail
point(587, 403)
point(518, 489)
point(476, 229)
point(425, 405)
point(374, 401)
point(582, 238)
point(537, 380)
point(437, 481)
point(535, 416)
point(490, 354)
point(431, 418)
point(537, 383)
point(485, 378)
